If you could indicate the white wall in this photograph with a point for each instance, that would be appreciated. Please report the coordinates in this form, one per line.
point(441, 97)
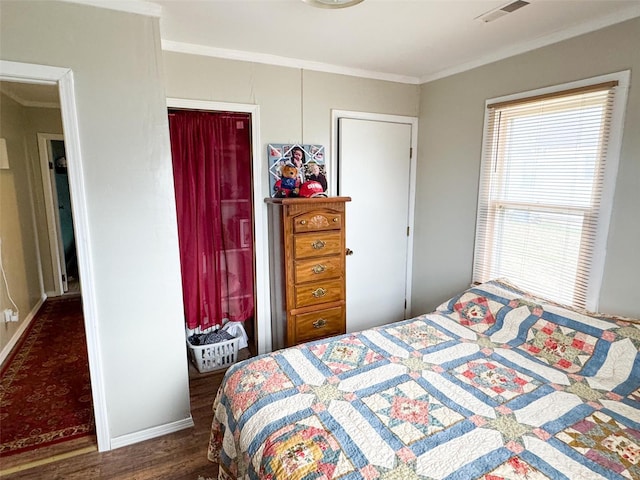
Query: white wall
point(451, 120)
point(117, 65)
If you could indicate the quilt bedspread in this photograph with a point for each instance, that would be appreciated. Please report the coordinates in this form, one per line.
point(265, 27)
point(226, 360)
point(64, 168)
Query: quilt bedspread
point(494, 384)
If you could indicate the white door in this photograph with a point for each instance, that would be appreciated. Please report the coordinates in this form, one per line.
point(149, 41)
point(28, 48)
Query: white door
point(374, 166)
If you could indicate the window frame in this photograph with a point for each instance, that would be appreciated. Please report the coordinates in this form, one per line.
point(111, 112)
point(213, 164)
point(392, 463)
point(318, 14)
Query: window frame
point(613, 150)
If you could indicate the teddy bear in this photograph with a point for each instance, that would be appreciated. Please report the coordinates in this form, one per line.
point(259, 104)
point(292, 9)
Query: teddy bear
point(289, 183)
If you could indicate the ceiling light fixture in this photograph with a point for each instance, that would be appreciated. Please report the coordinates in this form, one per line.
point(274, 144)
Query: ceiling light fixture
point(333, 3)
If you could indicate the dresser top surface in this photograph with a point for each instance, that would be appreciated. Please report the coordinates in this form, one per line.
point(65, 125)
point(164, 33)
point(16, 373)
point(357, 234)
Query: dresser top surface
point(303, 201)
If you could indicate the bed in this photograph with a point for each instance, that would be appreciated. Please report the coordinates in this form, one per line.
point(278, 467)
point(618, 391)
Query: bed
point(494, 384)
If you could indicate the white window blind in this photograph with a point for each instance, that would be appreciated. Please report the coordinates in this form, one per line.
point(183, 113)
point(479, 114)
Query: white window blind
point(541, 189)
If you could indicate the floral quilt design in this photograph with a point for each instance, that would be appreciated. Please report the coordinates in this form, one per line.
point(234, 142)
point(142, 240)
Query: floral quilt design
point(475, 313)
point(495, 380)
point(562, 347)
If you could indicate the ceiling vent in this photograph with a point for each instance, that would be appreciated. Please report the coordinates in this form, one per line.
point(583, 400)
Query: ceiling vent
point(492, 15)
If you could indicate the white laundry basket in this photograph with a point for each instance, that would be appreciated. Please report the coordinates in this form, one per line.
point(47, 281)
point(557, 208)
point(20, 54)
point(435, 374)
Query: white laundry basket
point(209, 358)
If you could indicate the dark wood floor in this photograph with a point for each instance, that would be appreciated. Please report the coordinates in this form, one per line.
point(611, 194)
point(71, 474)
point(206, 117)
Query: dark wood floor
point(178, 456)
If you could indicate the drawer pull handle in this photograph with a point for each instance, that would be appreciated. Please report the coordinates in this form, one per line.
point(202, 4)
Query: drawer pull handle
point(318, 244)
point(303, 222)
point(319, 292)
point(319, 268)
point(321, 322)
point(335, 219)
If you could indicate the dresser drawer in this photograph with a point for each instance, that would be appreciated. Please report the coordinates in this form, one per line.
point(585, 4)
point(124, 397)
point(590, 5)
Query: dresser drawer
point(317, 221)
point(316, 244)
point(316, 325)
point(315, 293)
point(318, 269)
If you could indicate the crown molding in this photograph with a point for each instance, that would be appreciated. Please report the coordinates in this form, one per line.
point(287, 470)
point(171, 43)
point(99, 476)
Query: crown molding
point(193, 49)
point(28, 103)
point(587, 27)
point(131, 6)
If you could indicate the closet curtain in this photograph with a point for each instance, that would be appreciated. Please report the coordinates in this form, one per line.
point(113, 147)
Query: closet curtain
point(211, 154)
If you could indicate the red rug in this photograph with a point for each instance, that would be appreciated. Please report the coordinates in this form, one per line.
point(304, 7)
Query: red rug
point(45, 390)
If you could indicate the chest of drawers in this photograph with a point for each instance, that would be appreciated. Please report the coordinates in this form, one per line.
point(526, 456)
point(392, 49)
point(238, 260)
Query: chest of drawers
point(307, 264)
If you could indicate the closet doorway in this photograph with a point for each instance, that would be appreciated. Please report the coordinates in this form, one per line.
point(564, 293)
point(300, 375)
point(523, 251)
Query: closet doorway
point(221, 220)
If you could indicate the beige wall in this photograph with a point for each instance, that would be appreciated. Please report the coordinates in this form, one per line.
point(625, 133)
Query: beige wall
point(22, 124)
point(451, 121)
point(17, 231)
point(132, 237)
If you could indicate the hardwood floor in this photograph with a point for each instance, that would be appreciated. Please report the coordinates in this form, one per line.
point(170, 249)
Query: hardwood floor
point(177, 456)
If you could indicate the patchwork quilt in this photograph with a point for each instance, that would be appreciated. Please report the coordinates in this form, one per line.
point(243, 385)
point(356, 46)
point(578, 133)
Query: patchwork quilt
point(495, 384)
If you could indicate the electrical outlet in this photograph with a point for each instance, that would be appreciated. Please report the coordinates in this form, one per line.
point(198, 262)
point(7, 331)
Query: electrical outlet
point(14, 317)
point(7, 314)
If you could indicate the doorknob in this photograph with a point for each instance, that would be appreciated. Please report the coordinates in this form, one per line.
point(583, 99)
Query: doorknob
point(349, 252)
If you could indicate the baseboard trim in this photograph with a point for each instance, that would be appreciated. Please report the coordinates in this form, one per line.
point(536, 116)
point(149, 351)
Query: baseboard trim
point(23, 327)
point(149, 433)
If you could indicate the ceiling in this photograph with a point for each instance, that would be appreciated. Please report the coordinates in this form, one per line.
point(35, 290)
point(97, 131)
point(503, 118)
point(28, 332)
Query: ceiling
point(411, 41)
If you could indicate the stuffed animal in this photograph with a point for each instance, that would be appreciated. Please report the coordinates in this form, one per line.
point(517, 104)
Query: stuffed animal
point(289, 183)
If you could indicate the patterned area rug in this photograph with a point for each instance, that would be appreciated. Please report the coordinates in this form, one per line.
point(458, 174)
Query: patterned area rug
point(45, 390)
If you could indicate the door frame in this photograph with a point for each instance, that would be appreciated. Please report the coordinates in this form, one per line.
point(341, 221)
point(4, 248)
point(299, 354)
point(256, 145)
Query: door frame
point(51, 206)
point(63, 79)
point(260, 220)
point(336, 115)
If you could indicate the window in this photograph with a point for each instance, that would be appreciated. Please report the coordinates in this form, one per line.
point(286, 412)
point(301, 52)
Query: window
point(546, 188)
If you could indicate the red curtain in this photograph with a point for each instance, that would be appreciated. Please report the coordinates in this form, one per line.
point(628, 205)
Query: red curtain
point(212, 174)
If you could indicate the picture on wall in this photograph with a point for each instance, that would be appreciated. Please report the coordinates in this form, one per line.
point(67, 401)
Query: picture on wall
point(297, 170)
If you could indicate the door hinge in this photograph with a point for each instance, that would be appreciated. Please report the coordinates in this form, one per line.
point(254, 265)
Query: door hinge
point(407, 231)
point(64, 277)
point(410, 152)
point(50, 165)
point(405, 303)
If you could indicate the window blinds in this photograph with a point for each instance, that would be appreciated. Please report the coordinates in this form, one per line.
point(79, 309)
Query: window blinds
point(541, 184)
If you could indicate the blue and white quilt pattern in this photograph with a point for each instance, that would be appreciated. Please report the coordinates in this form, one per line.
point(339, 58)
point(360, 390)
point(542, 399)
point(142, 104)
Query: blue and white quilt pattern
point(495, 385)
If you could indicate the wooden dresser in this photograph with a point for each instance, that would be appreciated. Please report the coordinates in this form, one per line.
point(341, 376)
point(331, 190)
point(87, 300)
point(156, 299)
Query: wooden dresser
point(307, 263)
